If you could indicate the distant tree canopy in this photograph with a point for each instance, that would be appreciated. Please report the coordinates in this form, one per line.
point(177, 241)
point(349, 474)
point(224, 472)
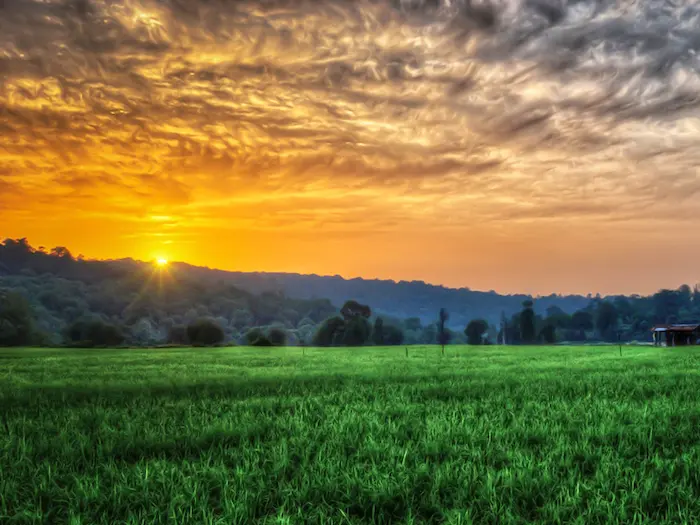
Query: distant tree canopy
point(49, 293)
point(378, 332)
point(177, 335)
point(16, 320)
point(476, 332)
point(606, 321)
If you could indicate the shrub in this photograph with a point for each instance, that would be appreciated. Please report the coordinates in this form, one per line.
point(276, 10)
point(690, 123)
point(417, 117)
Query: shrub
point(262, 341)
point(277, 336)
point(94, 332)
point(253, 335)
point(205, 332)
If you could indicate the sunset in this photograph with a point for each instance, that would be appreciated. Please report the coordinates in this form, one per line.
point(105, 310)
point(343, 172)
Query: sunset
point(459, 146)
point(349, 262)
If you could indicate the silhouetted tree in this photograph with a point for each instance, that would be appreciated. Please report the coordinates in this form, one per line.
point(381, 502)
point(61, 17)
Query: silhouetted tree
point(527, 323)
point(475, 331)
point(378, 332)
point(352, 309)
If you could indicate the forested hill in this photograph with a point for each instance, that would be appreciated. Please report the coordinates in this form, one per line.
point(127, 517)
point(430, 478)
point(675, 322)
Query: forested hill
point(397, 299)
point(394, 299)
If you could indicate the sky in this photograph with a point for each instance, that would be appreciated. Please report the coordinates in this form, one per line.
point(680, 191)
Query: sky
point(531, 146)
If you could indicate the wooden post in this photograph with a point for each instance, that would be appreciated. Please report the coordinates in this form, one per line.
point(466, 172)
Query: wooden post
point(619, 342)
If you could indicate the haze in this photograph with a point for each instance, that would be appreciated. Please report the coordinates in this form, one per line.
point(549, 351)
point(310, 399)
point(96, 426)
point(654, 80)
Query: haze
point(532, 147)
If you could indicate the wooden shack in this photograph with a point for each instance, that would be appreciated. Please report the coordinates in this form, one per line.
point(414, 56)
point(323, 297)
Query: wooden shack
point(676, 334)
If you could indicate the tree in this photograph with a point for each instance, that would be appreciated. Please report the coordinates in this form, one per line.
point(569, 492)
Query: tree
point(582, 320)
point(205, 332)
point(277, 336)
point(527, 323)
point(330, 330)
point(548, 334)
point(393, 335)
point(504, 329)
point(443, 334)
point(16, 320)
point(352, 309)
point(378, 332)
point(606, 321)
point(253, 335)
point(558, 317)
point(475, 331)
point(144, 332)
point(177, 334)
point(357, 331)
point(92, 331)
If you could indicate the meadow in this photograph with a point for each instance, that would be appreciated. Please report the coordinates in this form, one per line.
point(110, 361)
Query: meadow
point(350, 435)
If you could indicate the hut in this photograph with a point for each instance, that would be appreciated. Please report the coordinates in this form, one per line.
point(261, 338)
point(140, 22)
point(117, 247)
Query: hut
point(676, 334)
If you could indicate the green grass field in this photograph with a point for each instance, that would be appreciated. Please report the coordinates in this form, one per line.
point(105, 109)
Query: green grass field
point(243, 435)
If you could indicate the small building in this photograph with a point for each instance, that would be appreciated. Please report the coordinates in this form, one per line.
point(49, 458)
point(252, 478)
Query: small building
point(676, 334)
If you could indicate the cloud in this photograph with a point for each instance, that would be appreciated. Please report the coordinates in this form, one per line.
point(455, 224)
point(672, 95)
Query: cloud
point(173, 104)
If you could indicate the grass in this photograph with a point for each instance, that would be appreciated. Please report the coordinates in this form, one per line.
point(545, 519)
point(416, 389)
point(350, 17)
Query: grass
point(241, 435)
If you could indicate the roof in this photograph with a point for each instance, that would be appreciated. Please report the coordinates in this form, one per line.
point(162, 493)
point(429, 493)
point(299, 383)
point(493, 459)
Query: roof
point(676, 327)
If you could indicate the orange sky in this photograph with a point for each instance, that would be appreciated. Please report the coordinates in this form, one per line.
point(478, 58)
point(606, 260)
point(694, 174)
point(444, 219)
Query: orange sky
point(360, 139)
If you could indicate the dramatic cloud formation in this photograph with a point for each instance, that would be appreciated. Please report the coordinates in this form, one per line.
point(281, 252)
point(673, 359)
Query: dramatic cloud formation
point(530, 145)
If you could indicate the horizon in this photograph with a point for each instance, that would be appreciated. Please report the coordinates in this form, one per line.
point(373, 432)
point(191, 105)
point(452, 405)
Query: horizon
point(156, 261)
point(520, 147)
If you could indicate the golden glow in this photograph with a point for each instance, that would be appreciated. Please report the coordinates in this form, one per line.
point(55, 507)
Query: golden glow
point(355, 138)
point(161, 262)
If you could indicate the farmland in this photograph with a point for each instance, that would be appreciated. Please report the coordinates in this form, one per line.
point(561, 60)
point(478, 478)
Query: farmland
point(350, 435)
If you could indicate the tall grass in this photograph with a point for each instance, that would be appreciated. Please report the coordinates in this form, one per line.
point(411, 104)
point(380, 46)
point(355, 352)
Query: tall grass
point(482, 435)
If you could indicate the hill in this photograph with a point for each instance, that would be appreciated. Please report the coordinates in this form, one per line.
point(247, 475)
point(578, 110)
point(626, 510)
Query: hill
point(400, 299)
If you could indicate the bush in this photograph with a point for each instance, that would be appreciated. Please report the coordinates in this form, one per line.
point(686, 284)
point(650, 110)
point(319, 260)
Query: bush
point(94, 332)
point(253, 335)
point(277, 337)
point(262, 341)
point(205, 332)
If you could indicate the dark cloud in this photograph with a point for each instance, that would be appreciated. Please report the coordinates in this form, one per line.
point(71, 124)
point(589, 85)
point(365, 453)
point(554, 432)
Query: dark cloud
point(189, 100)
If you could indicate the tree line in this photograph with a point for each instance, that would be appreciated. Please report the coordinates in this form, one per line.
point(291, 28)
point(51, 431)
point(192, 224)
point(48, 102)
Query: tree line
point(50, 297)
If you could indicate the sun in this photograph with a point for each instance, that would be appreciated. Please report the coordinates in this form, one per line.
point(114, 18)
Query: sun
point(161, 262)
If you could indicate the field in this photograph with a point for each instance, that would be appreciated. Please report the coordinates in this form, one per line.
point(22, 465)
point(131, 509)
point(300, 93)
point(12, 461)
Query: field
point(369, 435)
